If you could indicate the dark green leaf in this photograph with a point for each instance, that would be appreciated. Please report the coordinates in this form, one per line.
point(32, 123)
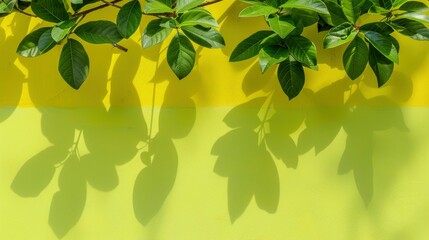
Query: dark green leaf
point(206, 37)
point(257, 10)
point(157, 7)
point(99, 32)
point(77, 7)
point(313, 5)
point(411, 28)
point(291, 77)
point(418, 16)
point(249, 47)
point(339, 35)
point(181, 55)
point(380, 27)
point(414, 6)
point(281, 25)
point(270, 55)
point(336, 16)
point(74, 63)
point(383, 44)
point(198, 16)
point(352, 9)
point(183, 5)
point(306, 17)
point(46, 42)
point(386, 4)
point(303, 50)
point(355, 58)
point(50, 10)
point(398, 3)
point(154, 33)
point(128, 19)
point(29, 45)
point(381, 66)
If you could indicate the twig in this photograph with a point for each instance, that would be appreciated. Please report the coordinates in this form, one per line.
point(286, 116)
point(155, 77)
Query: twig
point(96, 8)
point(111, 4)
point(122, 48)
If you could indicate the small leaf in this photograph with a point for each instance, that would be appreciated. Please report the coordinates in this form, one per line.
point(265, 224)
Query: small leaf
point(270, 55)
point(249, 47)
point(352, 9)
point(99, 32)
point(181, 55)
point(339, 35)
point(257, 10)
point(291, 77)
point(157, 7)
point(6, 6)
point(380, 27)
point(381, 66)
point(383, 44)
point(50, 10)
point(303, 50)
point(313, 5)
point(282, 25)
point(355, 58)
point(29, 45)
point(411, 28)
point(59, 32)
point(198, 16)
point(206, 37)
point(183, 5)
point(74, 63)
point(46, 42)
point(128, 19)
point(154, 33)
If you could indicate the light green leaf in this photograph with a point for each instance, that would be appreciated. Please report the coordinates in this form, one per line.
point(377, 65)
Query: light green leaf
point(99, 32)
point(313, 5)
point(383, 44)
point(50, 10)
point(398, 3)
point(29, 45)
point(198, 16)
point(271, 55)
point(339, 35)
point(355, 58)
point(184, 5)
point(157, 7)
point(418, 16)
point(206, 37)
point(128, 18)
point(155, 33)
point(257, 10)
point(411, 28)
point(291, 77)
point(414, 6)
point(249, 47)
point(62, 29)
point(6, 6)
point(76, 1)
point(351, 9)
point(281, 25)
point(380, 65)
point(74, 63)
point(303, 50)
point(181, 55)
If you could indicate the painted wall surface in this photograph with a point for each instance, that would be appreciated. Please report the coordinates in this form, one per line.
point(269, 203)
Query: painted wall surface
point(230, 157)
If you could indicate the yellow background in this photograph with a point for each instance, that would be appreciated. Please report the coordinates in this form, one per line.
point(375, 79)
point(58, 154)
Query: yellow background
point(346, 160)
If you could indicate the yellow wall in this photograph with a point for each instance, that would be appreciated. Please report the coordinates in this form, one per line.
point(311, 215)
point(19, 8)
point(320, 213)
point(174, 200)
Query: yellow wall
point(344, 160)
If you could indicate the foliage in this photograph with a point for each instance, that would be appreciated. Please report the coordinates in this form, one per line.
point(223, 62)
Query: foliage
point(283, 44)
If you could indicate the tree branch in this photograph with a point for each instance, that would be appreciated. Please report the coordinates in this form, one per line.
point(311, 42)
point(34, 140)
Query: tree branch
point(96, 8)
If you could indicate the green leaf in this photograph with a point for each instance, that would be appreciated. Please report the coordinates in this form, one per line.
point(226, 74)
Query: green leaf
point(339, 35)
point(411, 28)
point(6, 6)
point(50, 10)
point(306, 17)
point(157, 7)
point(291, 77)
point(181, 55)
point(29, 45)
point(303, 50)
point(183, 5)
point(76, 1)
point(249, 47)
point(351, 9)
point(257, 10)
point(46, 42)
point(380, 65)
point(336, 16)
point(77, 7)
point(270, 55)
point(198, 16)
point(62, 29)
point(154, 33)
point(418, 16)
point(206, 37)
point(414, 6)
point(313, 5)
point(383, 44)
point(380, 27)
point(74, 63)
point(386, 4)
point(281, 25)
point(398, 3)
point(128, 18)
point(99, 32)
point(355, 58)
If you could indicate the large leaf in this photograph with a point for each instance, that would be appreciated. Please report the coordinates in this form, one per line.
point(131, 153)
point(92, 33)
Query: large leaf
point(183, 5)
point(303, 50)
point(128, 18)
point(383, 44)
point(305, 17)
point(181, 55)
point(29, 45)
point(380, 27)
point(355, 58)
point(282, 25)
point(411, 28)
point(336, 15)
point(418, 16)
point(50, 10)
point(339, 35)
point(257, 10)
point(414, 6)
point(74, 63)
point(198, 16)
point(313, 5)
point(157, 7)
point(99, 32)
point(270, 55)
point(206, 37)
point(291, 77)
point(249, 47)
point(352, 9)
point(155, 33)
point(381, 66)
